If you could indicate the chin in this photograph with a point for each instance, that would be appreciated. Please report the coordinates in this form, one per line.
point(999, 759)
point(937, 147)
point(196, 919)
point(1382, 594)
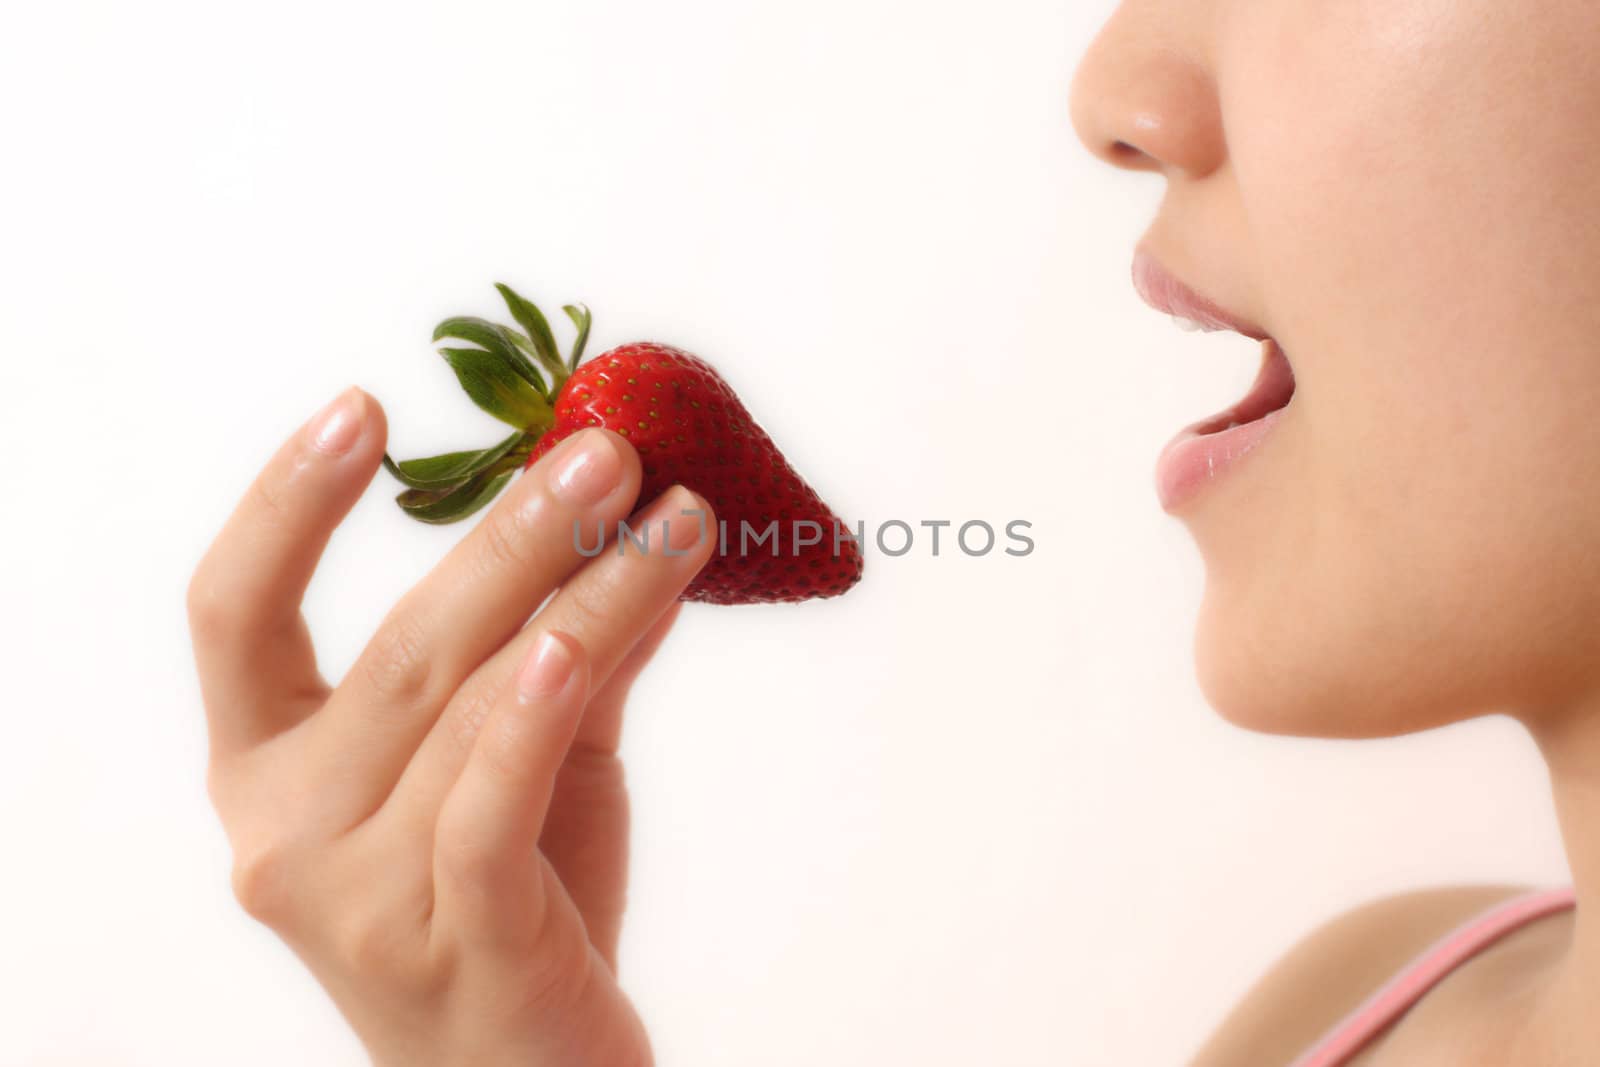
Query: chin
point(1291, 684)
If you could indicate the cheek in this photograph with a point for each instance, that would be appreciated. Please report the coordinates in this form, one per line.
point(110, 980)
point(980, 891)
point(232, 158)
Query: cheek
point(1417, 171)
point(1422, 185)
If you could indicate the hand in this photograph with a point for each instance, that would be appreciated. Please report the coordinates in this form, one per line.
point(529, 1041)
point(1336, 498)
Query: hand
point(442, 838)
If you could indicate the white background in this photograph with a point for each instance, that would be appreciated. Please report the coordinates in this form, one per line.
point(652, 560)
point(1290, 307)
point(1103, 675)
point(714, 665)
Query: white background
point(974, 812)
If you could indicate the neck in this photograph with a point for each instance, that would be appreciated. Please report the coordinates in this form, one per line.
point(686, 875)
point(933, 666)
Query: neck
point(1565, 1021)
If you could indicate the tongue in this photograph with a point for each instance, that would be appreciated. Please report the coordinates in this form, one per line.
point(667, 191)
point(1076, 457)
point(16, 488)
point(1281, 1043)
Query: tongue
point(1273, 387)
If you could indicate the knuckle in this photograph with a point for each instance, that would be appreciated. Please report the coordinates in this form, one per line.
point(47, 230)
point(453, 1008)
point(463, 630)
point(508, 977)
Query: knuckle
point(263, 880)
point(546, 942)
point(592, 790)
point(370, 943)
point(473, 704)
point(267, 496)
point(467, 859)
point(396, 665)
point(503, 749)
point(592, 773)
point(460, 857)
point(463, 863)
point(506, 540)
point(560, 966)
point(587, 604)
point(206, 608)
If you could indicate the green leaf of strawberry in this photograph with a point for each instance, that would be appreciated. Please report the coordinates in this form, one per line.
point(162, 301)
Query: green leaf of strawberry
point(687, 426)
point(579, 314)
point(452, 468)
point(544, 342)
point(497, 389)
point(496, 339)
point(453, 505)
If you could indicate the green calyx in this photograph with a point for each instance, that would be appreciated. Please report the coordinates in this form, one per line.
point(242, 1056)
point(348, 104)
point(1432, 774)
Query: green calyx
point(514, 375)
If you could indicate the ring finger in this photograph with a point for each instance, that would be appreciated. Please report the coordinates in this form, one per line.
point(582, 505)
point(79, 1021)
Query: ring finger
point(607, 607)
point(466, 608)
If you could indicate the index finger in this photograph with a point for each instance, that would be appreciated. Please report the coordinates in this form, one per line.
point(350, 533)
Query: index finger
point(258, 672)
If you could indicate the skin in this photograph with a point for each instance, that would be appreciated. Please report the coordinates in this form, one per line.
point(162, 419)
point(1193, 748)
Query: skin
point(1406, 194)
point(442, 836)
point(1407, 197)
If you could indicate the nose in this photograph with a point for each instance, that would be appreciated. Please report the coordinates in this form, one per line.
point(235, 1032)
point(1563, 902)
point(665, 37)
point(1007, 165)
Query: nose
point(1143, 97)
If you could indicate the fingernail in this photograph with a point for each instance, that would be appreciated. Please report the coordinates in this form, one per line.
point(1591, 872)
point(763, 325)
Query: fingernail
point(589, 469)
point(337, 426)
point(546, 669)
point(683, 518)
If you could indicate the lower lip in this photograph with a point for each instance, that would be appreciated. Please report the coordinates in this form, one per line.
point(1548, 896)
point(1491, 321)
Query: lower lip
point(1193, 460)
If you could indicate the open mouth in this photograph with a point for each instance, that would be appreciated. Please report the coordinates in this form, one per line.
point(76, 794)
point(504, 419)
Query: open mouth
point(1272, 389)
point(1190, 310)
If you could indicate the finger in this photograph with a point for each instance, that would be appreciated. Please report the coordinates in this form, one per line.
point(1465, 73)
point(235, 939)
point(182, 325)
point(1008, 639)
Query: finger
point(608, 606)
point(585, 836)
point(469, 605)
point(601, 728)
point(258, 672)
point(486, 860)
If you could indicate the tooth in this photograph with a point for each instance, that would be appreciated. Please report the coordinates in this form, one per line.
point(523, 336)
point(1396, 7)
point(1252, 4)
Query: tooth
point(1232, 424)
point(1187, 324)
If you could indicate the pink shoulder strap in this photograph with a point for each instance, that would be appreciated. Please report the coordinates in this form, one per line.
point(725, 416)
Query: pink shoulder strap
point(1345, 1037)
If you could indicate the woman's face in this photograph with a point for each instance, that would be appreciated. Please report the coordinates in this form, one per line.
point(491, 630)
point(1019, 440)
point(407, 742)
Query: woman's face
point(1406, 195)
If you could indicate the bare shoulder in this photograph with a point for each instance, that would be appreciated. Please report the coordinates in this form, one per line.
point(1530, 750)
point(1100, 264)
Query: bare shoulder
point(1337, 965)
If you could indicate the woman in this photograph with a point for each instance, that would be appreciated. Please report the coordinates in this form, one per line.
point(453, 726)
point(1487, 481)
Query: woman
point(1400, 193)
point(1403, 194)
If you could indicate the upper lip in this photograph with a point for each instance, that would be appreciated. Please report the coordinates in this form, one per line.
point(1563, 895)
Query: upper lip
point(1162, 290)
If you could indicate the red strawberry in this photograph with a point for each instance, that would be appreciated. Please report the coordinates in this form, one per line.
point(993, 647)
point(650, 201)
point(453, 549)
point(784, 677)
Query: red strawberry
point(685, 422)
